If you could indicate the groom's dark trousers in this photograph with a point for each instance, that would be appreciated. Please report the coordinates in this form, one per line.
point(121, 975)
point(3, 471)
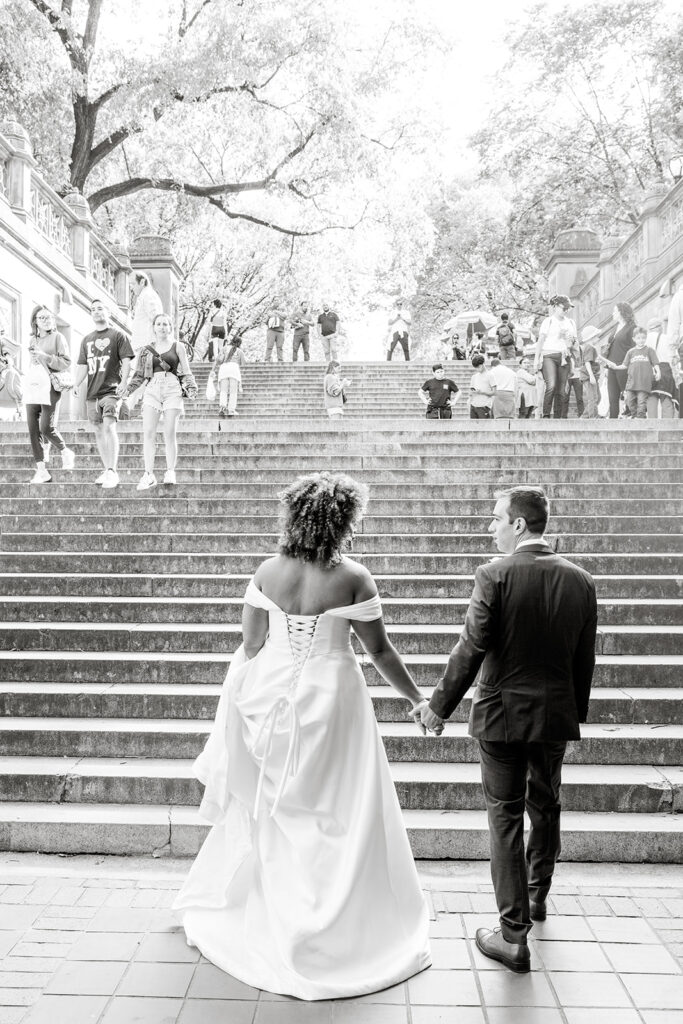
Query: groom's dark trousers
point(529, 639)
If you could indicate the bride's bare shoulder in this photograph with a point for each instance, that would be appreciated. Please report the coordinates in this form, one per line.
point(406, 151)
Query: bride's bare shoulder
point(364, 586)
point(267, 570)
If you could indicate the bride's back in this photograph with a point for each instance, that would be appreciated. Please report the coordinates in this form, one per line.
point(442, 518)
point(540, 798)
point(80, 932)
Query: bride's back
point(304, 588)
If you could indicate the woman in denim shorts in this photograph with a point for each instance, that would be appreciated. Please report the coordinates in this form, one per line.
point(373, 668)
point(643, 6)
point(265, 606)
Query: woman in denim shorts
point(167, 360)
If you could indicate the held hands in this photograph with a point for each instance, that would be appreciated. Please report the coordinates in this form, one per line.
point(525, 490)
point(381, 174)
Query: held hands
point(425, 719)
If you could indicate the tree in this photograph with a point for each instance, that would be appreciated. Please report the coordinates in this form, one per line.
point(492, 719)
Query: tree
point(288, 103)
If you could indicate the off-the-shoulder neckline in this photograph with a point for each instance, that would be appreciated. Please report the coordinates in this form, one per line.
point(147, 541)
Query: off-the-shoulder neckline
point(315, 615)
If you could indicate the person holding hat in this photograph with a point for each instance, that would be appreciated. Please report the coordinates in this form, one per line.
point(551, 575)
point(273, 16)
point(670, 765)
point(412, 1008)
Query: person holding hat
point(662, 401)
point(556, 337)
point(589, 372)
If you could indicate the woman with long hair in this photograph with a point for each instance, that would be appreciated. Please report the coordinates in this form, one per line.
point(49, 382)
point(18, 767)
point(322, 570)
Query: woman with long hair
point(333, 390)
point(227, 370)
point(620, 341)
point(306, 884)
point(159, 368)
point(48, 351)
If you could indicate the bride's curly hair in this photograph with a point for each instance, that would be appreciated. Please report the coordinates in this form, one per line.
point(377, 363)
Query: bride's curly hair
point(318, 516)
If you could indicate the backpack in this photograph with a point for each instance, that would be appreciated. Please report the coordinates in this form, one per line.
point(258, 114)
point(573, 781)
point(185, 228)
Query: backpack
point(504, 335)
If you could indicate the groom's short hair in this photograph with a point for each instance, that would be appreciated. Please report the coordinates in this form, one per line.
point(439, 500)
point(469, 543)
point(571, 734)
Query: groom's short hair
point(528, 503)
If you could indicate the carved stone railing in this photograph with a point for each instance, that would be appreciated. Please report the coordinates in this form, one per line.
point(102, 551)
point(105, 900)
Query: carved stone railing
point(628, 260)
point(52, 217)
point(671, 217)
point(588, 300)
point(103, 266)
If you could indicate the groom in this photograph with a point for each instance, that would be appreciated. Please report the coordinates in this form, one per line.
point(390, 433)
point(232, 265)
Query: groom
point(530, 634)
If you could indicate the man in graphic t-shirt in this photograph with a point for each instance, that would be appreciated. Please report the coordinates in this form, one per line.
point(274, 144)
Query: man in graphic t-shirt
point(439, 394)
point(328, 325)
point(105, 359)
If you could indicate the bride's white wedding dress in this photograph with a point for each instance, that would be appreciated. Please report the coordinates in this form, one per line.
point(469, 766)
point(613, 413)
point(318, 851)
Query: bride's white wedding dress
point(306, 884)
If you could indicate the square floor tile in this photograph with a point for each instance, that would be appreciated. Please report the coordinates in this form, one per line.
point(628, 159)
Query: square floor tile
point(593, 1016)
point(446, 926)
point(662, 1016)
point(370, 1013)
point(522, 1015)
point(485, 963)
point(446, 1015)
point(101, 946)
point(584, 989)
point(563, 929)
point(396, 995)
point(125, 1010)
point(295, 1013)
point(474, 921)
point(655, 991)
point(572, 956)
point(71, 1009)
point(17, 918)
point(616, 929)
point(506, 988)
point(210, 982)
point(19, 996)
point(78, 978)
point(12, 1014)
point(213, 1011)
point(7, 941)
point(640, 959)
point(160, 947)
point(121, 919)
point(450, 954)
point(23, 979)
point(444, 988)
point(170, 980)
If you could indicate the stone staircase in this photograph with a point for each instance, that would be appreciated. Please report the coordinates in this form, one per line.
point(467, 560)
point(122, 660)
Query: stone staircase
point(119, 611)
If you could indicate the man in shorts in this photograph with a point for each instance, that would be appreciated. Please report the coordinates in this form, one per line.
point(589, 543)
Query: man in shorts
point(105, 359)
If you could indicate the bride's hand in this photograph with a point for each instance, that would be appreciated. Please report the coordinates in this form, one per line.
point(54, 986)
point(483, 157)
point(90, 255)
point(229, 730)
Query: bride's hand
point(425, 719)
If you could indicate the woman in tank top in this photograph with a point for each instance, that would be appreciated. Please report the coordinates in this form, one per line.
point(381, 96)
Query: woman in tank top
point(167, 360)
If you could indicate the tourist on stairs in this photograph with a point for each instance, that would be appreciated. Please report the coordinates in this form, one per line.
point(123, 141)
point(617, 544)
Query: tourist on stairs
point(49, 363)
point(439, 394)
point(161, 370)
point(306, 884)
point(556, 336)
point(333, 390)
point(619, 343)
point(227, 369)
point(105, 359)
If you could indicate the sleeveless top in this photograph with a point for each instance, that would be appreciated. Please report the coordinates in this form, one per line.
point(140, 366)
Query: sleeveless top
point(171, 358)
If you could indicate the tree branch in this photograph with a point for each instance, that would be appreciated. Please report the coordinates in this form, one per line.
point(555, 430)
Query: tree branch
point(285, 231)
point(186, 25)
point(91, 26)
point(64, 31)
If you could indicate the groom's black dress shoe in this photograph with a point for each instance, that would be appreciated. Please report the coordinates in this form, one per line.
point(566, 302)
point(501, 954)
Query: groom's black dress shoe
point(514, 955)
point(537, 911)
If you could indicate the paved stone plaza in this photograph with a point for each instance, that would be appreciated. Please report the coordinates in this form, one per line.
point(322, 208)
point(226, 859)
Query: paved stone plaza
point(91, 940)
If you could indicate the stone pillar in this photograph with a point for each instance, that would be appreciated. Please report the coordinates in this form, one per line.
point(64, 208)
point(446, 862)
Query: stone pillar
point(80, 231)
point(153, 255)
point(19, 169)
point(608, 286)
point(122, 276)
point(572, 262)
point(652, 228)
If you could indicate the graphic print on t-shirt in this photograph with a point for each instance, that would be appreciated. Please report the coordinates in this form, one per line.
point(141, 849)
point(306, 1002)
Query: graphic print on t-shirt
point(440, 391)
point(102, 352)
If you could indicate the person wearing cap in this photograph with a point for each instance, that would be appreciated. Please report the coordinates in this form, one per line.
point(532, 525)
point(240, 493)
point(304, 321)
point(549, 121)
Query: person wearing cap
point(556, 337)
point(589, 372)
point(439, 394)
point(662, 401)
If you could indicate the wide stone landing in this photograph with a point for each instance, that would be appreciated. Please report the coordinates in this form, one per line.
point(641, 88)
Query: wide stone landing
point(92, 941)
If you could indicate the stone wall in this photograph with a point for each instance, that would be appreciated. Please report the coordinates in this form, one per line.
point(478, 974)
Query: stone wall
point(643, 269)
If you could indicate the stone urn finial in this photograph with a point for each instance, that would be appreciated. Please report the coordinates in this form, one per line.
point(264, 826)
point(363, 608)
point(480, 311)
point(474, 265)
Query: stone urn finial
point(17, 136)
point(79, 204)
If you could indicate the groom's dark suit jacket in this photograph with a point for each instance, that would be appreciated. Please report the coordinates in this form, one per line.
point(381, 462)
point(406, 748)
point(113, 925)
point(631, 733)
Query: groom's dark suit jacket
point(530, 634)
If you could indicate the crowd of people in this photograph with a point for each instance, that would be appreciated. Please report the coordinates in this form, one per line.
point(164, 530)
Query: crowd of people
point(633, 371)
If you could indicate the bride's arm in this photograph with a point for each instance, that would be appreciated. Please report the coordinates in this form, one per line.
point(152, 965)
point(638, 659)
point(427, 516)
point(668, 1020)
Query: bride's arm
point(386, 658)
point(254, 629)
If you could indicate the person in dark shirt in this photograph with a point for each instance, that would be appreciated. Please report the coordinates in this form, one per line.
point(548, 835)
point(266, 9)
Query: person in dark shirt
point(328, 325)
point(620, 341)
point(105, 359)
point(505, 334)
point(439, 394)
point(641, 365)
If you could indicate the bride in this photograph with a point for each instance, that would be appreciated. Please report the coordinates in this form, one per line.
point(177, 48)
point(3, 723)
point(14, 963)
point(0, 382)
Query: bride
point(306, 884)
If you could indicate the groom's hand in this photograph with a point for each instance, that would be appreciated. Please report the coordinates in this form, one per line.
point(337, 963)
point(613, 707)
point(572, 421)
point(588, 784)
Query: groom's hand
point(431, 721)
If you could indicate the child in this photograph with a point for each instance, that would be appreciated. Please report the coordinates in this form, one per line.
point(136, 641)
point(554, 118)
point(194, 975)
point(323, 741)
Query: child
point(526, 390)
point(589, 373)
point(482, 390)
point(641, 364)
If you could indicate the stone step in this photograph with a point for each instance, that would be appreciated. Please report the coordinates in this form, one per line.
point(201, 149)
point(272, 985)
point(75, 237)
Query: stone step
point(112, 737)
point(166, 502)
point(114, 667)
point(29, 561)
point(196, 701)
point(228, 585)
point(167, 522)
point(413, 611)
point(634, 789)
point(264, 544)
point(161, 830)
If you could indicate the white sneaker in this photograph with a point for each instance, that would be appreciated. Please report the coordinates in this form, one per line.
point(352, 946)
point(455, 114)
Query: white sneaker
point(169, 476)
point(111, 479)
point(102, 477)
point(41, 476)
point(147, 480)
point(68, 458)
